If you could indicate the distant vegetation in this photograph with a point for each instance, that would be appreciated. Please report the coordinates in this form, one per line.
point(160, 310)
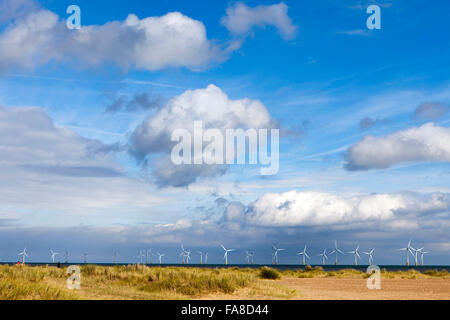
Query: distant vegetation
point(140, 282)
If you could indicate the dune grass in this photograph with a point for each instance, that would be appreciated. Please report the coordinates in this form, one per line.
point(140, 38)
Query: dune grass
point(141, 282)
point(134, 282)
point(23, 283)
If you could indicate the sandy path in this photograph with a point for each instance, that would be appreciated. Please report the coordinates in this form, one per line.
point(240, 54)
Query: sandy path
point(335, 289)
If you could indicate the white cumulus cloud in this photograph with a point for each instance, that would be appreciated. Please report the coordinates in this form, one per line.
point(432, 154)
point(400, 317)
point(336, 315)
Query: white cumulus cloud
point(428, 143)
point(152, 43)
point(211, 106)
point(310, 208)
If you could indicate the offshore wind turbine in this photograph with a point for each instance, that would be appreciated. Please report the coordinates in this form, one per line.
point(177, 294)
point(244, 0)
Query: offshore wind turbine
point(148, 254)
point(304, 254)
point(206, 257)
point(416, 252)
point(324, 256)
point(53, 254)
point(160, 255)
point(201, 256)
point(370, 254)
point(140, 256)
point(275, 254)
point(407, 250)
point(188, 257)
point(23, 254)
point(336, 251)
point(67, 256)
point(225, 256)
point(116, 254)
point(356, 253)
point(183, 254)
point(422, 253)
point(249, 256)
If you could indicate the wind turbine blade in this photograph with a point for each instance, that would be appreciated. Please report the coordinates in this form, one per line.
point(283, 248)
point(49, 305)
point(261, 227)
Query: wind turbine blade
point(307, 255)
point(223, 247)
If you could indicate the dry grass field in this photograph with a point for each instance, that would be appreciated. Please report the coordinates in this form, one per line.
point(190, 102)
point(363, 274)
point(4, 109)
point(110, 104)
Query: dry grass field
point(140, 282)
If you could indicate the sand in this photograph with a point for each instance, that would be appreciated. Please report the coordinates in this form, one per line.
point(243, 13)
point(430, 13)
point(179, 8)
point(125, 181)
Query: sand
point(356, 289)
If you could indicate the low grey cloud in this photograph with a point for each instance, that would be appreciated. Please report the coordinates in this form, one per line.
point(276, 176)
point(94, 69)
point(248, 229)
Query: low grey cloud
point(431, 111)
point(14, 9)
point(428, 143)
point(241, 19)
point(168, 174)
point(42, 162)
point(367, 123)
point(143, 101)
point(73, 171)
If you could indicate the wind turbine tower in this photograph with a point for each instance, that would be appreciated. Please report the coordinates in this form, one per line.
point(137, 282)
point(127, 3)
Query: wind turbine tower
point(304, 255)
point(148, 256)
point(356, 253)
point(422, 253)
point(249, 256)
point(275, 253)
point(225, 256)
point(370, 254)
point(324, 256)
point(24, 255)
point(407, 250)
point(160, 255)
point(53, 254)
point(336, 251)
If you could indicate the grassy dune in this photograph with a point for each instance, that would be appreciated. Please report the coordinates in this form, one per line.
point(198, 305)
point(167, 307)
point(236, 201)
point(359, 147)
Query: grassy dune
point(135, 282)
point(140, 282)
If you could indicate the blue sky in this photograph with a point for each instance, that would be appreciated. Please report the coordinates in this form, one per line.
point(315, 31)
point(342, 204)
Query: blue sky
point(366, 160)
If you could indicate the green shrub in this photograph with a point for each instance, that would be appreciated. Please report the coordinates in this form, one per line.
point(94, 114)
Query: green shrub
point(269, 273)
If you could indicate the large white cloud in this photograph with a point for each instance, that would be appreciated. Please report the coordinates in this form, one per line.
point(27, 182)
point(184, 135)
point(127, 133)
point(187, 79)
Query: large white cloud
point(211, 106)
point(240, 19)
point(428, 143)
point(308, 208)
point(153, 43)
